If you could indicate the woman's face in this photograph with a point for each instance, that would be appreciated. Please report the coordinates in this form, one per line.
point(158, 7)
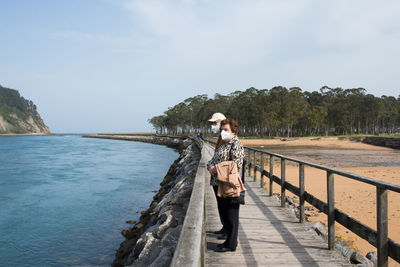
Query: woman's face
point(227, 128)
point(218, 123)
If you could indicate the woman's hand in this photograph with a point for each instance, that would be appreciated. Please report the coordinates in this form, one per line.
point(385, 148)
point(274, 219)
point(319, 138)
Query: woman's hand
point(213, 171)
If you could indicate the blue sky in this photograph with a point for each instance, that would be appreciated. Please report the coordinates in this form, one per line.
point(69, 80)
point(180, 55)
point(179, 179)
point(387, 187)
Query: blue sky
point(108, 66)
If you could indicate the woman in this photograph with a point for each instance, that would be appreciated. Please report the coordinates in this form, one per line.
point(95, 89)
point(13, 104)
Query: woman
point(215, 122)
point(230, 149)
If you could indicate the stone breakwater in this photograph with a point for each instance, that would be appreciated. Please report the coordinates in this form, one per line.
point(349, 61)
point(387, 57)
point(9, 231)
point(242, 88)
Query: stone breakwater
point(383, 141)
point(153, 239)
point(170, 141)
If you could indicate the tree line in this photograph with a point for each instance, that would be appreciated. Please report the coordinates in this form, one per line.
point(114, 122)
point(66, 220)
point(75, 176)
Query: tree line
point(12, 98)
point(284, 111)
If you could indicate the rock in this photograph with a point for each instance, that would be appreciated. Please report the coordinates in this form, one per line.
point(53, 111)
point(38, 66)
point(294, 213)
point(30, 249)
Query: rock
point(131, 221)
point(138, 226)
point(320, 229)
point(373, 257)
point(345, 251)
point(171, 236)
point(357, 258)
point(169, 222)
point(291, 201)
point(124, 232)
point(383, 141)
point(164, 258)
point(146, 250)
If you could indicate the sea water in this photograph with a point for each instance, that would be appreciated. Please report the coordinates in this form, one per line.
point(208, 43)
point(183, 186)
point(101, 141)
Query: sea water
point(65, 199)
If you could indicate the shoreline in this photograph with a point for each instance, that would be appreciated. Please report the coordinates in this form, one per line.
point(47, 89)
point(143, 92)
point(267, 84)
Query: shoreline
point(153, 238)
point(28, 134)
point(330, 142)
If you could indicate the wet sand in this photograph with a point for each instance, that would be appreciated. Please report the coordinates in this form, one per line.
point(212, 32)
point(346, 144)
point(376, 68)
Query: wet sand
point(355, 198)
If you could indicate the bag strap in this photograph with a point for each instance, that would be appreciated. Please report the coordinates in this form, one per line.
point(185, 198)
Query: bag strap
point(230, 158)
point(230, 152)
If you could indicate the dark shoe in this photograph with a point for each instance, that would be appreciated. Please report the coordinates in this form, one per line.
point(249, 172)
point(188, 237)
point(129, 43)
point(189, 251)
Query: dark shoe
point(224, 249)
point(224, 236)
point(220, 231)
point(221, 245)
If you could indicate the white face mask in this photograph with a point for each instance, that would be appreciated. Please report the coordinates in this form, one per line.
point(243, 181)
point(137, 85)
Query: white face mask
point(215, 128)
point(225, 135)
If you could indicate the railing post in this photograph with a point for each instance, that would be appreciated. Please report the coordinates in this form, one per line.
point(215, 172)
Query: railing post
point(283, 178)
point(271, 173)
point(249, 160)
point(331, 210)
point(382, 225)
point(301, 185)
point(243, 174)
point(255, 164)
point(262, 170)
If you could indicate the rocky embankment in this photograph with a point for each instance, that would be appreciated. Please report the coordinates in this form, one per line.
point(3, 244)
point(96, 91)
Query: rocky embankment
point(152, 240)
point(170, 141)
point(383, 141)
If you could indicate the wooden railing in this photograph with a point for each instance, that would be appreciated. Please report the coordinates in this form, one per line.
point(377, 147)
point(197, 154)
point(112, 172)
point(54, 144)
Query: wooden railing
point(385, 246)
point(191, 244)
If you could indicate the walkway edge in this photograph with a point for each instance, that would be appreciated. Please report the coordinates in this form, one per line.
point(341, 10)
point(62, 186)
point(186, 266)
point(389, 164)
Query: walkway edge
point(191, 245)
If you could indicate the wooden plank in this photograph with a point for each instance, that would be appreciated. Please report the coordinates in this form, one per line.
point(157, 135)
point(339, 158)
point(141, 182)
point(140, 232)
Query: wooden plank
point(243, 174)
point(382, 225)
point(254, 166)
point(301, 193)
point(283, 178)
point(331, 210)
point(262, 171)
point(248, 158)
point(271, 171)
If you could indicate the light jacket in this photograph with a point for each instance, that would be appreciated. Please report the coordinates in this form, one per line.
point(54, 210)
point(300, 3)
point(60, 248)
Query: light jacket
point(232, 150)
point(229, 182)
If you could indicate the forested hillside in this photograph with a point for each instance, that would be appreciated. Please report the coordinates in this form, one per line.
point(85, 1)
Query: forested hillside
point(19, 115)
point(288, 112)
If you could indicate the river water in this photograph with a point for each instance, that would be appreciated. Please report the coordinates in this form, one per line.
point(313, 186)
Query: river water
point(65, 199)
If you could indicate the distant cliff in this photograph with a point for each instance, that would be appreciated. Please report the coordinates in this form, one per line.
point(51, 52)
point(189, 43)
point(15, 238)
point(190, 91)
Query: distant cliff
point(19, 115)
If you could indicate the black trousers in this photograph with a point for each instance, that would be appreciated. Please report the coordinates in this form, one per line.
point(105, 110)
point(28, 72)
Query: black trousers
point(219, 204)
point(230, 215)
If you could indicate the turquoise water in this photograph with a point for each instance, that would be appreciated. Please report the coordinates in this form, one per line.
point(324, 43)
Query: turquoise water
point(64, 199)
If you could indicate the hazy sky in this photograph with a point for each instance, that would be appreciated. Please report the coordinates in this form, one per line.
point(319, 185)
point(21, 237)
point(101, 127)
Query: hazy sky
point(108, 66)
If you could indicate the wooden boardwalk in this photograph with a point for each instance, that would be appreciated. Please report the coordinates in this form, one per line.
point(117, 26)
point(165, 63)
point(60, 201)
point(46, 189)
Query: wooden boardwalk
point(268, 234)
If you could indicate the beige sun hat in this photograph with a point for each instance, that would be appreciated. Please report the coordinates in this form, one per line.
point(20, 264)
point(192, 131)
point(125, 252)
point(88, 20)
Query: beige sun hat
point(217, 117)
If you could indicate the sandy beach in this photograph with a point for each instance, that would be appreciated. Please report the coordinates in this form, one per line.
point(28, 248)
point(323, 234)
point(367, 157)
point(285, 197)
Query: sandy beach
point(354, 198)
point(325, 142)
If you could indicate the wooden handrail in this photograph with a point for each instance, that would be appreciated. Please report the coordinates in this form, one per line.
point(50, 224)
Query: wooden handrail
point(191, 244)
point(382, 184)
